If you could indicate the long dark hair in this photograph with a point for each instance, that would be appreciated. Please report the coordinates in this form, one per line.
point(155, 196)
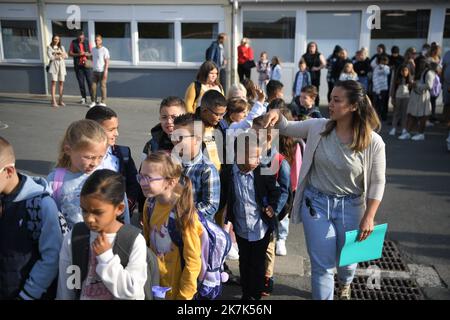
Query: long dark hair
point(205, 69)
point(53, 39)
point(365, 119)
point(399, 76)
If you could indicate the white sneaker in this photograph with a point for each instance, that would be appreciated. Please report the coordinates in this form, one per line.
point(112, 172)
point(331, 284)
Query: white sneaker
point(234, 252)
point(429, 124)
point(418, 137)
point(280, 248)
point(405, 136)
point(392, 132)
point(83, 101)
point(92, 104)
point(404, 131)
point(102, 104)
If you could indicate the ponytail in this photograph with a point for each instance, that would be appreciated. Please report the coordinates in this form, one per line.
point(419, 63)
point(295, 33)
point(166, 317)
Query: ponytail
point(184, 207)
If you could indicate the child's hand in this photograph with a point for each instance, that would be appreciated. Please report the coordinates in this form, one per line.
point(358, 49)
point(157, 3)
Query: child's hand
point(269, 211)
point(101, 244)
point(261, 96)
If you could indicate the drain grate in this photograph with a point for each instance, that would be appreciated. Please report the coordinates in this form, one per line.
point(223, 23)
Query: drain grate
point(390, 289)
point(391, 259)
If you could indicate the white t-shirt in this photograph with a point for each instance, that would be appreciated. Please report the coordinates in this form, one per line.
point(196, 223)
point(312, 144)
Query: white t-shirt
point(98, 58)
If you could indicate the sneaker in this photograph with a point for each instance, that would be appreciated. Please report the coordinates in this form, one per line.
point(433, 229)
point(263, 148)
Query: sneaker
point(418, 137)
point(429, 124)
point(83, 101)
point(268, 286)
point(280, 248)
point(92, 104)
point(345, 292)
point(102, 104)
point(405, 136)
point(234, 253)
point(404, 131)
point(392, 132)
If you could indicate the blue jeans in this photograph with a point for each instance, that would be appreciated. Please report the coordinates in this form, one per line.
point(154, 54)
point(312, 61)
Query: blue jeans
point(283, 228)
point(326, 218)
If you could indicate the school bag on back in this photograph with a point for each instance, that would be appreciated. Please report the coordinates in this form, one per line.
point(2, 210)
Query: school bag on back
point(125, 238)
point(436, 89)
point(290, 200)
point(33, 222)
point(215, 246)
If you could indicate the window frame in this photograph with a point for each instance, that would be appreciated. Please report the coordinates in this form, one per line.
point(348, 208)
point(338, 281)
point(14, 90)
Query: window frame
point(4, 60)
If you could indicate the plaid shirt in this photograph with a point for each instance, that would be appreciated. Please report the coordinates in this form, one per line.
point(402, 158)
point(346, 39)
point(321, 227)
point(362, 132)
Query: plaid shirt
point(205, 184)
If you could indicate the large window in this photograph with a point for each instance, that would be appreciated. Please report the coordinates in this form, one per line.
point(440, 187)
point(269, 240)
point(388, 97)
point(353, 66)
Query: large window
point(156, 41)
point(20, 40)
point(195, 39)
point(329, 29)
point(271, 31)
point(67, 35)
point(117, 38)
point(446, 40)
point(402, 28)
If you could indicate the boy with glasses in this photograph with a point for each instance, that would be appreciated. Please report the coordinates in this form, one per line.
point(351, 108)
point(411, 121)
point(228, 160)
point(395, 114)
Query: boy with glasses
point(187, 138)
point(211, 112)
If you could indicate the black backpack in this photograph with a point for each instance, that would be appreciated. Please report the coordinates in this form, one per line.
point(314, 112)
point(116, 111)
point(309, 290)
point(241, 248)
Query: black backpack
point(126, 236)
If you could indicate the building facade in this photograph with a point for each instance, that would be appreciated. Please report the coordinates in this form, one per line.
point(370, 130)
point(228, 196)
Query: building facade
point(156, 47)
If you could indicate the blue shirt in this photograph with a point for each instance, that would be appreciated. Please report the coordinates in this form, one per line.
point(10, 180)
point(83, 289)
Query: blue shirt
point(299, 83)
point(248, 223)
point(110, 161)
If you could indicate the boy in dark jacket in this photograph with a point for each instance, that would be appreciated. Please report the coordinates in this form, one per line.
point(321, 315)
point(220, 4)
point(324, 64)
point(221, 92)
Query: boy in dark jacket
point(31, 233)
point(253, 196)
point(117, 158)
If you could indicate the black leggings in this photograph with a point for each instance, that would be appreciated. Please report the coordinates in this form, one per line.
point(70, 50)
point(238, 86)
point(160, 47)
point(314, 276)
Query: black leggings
point(242, 71)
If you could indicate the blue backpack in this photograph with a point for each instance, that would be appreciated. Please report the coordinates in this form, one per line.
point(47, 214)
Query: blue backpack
point(215, 244)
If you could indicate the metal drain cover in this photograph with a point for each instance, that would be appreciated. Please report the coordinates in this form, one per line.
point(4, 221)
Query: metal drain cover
point(390, 289)
point(391, 259)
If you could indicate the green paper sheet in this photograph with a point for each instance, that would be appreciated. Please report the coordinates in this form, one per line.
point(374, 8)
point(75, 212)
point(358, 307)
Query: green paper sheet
point(369, 249)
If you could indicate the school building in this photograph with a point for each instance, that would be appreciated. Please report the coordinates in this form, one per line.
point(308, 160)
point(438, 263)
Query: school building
point(156, 46)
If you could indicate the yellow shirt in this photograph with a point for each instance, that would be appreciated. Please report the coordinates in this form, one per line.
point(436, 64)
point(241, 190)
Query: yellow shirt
point(183, 282)
point(189, 97)
point(211, 146)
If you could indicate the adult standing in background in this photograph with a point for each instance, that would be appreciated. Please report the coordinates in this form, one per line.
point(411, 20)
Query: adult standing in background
point(56, 53)
point(100, 65)
point(245, 59)
point(216, 53)
point(315, 62)
point(80, 50)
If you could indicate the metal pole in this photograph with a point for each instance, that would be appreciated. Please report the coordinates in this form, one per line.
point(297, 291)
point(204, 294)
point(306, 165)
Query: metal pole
point(42, 27)
point(234, 41)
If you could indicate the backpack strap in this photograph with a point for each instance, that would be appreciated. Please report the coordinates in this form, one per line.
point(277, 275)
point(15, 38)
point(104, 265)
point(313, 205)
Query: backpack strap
point(58, 181)
point(80, 251)
point(125, 238)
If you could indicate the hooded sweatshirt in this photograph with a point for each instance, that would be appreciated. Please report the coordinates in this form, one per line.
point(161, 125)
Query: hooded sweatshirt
point(29, 251)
